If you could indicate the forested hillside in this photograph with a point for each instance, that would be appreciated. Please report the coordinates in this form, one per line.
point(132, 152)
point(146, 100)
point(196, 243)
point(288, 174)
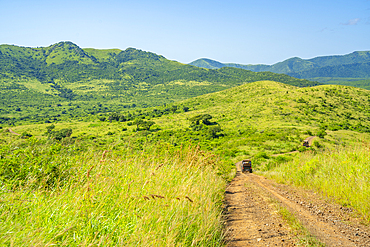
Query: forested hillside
point(353, 65)
point(63, 80)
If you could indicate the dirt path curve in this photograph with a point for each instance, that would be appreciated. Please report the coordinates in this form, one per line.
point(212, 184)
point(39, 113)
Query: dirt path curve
point(293, 152)
point(11, 131)
point(252, 219)
point(310, 140)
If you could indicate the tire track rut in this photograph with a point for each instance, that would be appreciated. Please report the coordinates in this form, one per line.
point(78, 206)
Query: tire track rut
point(252, 219)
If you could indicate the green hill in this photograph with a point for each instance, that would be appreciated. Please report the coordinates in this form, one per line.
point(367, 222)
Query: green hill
point(273, 117)
point(254, 119)
point(208, 64)
point(63, 80)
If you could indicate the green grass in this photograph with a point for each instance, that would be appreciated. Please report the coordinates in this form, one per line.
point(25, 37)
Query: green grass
point(304, 237)
point(354, 82)
point(118, 197)
point(342, 174)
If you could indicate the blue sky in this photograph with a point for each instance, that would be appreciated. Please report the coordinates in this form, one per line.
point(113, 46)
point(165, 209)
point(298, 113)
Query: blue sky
point(246, 32)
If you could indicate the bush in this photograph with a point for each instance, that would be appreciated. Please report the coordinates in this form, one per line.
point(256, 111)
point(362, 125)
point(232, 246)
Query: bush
point(316, 144)
point(261, 155)
point(321, 133)
point(26, 135)
point(60, 134)
point(309, 132)
point(32, 161)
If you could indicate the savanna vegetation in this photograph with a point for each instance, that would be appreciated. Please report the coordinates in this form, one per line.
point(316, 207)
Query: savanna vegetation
point(112, 147)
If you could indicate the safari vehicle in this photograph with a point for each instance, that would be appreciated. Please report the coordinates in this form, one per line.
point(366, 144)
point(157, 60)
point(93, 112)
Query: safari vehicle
point(306, 143)
point(247, 166)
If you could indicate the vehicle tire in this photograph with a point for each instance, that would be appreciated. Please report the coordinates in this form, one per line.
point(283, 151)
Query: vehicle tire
point(250, 170)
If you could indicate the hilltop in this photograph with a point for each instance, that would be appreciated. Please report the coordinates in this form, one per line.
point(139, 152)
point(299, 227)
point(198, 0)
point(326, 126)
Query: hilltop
point(353, 65)
point(64, 80)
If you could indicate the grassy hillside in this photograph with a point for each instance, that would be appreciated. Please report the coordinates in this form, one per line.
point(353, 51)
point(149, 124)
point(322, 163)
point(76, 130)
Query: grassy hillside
point(207, 63)
point(254, 119)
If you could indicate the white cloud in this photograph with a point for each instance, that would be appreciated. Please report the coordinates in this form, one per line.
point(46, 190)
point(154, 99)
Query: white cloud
point(326, 29)
point(351, 22)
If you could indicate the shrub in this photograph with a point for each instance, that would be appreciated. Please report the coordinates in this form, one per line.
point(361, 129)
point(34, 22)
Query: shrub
point(26, 135)
point(63, 133)
point(321, 133)
point(316, 144)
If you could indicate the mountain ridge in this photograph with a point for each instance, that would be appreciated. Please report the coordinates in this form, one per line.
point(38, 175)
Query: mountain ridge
point(303, 68)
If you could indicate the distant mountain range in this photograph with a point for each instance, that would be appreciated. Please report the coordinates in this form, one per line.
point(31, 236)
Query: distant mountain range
point(353, 65)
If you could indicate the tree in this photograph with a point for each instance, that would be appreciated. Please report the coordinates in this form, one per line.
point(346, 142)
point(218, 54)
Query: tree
point(63, 133)
point(137, 122)
point(147, 124)
point(173, 109)
point(142, 124)
point(213, 131)
point(49, 129)
point(200, 119)
point(321, 133)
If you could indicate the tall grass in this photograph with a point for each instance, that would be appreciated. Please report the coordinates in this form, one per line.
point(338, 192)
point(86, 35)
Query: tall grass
point(156, 197)
point(343, 174)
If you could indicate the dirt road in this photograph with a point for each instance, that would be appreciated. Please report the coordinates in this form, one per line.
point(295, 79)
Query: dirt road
point(11, 131)
point(310, 140)
point(252, 218)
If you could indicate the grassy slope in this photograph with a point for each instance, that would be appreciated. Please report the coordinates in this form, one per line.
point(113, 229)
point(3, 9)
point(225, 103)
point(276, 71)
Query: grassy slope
point(75, 196)
point(270, 108)
point(102, 54)
point(257, 117)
